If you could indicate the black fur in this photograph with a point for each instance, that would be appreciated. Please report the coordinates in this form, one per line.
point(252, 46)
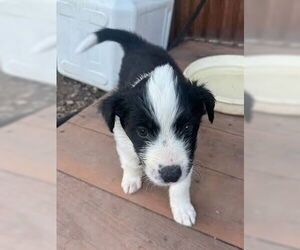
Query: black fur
point(142, 57)
point(129, 103)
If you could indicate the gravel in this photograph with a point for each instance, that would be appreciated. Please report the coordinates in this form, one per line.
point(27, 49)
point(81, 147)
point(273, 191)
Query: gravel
point(73, 96)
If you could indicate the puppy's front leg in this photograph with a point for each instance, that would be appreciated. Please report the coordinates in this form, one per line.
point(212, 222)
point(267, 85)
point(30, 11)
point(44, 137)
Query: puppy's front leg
point(180, 202)
point(132, 178)
point(132, 171)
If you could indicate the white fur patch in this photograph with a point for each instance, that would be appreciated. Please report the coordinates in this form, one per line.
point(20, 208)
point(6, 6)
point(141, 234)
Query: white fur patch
point(132, 172)
point(162, 96)
point(180, 202)
point(167, 149)
point(125, 147)
point(87, 43)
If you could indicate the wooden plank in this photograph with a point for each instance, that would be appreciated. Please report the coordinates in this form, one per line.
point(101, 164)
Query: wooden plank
point(254, 27)
point(209, 24)
point(221, 152)
point(272, 143)
point(231, 22)
point(239, 26)
point(28, 213)
point(216, 10)
point(272, 208)
point(184, 9)
point(278, 124)
point(276, 155)
point(28, 146)
point(276, 25)
point(258, 244)
point(91, 156)
point(219, 145)
point(227, 23)
point(272, 173)
point(89, 218)
point(227, 123)
point(199, 27)
point(292, 24)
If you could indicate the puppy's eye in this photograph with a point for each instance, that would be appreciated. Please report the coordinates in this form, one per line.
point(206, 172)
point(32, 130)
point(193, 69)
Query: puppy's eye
point(188, 127)
point(142, 132)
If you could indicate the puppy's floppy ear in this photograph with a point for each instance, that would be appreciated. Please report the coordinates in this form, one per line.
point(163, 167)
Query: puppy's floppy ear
point(109, 108)
point(206, 98)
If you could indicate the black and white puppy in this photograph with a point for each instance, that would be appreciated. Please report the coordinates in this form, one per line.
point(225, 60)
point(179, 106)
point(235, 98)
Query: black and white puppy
point(154, 115)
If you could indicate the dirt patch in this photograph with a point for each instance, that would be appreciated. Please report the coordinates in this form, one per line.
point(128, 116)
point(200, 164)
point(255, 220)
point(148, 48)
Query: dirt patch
point(73, 96)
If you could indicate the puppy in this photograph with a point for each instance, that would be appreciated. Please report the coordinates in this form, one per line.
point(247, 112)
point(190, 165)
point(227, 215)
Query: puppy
point(154, 115)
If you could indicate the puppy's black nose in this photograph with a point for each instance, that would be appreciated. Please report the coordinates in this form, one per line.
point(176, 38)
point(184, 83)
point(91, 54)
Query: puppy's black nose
point(170, 173)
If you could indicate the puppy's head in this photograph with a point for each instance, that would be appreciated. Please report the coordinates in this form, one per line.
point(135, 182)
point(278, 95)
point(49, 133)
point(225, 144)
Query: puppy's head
point(161, 117)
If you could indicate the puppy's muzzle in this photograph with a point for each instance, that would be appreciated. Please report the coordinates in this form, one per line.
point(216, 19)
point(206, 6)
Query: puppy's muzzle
point(170, 173)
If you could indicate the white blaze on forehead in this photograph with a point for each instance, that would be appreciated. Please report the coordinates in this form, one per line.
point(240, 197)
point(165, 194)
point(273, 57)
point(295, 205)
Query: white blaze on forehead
point(162, 95)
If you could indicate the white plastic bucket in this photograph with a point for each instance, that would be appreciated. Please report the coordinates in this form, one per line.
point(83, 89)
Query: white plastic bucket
point(224, 76)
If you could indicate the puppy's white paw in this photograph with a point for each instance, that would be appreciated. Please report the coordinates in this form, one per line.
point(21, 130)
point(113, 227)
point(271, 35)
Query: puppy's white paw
point(184, 214)
point(131, 184)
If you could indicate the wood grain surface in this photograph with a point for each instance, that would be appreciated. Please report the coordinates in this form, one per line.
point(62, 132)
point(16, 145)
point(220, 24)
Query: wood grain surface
point(91, 219)
point(91, 156)
point(220, 21)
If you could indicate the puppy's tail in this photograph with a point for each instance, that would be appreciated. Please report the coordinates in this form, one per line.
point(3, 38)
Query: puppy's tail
point(126, 39)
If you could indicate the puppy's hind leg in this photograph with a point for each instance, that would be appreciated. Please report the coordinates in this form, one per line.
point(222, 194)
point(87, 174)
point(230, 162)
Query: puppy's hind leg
point(132, 171)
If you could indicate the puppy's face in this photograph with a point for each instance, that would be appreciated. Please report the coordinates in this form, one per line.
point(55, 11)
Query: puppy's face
point(161, 117)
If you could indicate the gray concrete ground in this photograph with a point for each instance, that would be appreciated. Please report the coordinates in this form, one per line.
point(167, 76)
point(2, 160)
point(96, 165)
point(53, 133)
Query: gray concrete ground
point(20, 98)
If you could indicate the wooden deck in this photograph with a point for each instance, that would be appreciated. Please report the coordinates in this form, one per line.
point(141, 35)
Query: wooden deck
point(28, 177)
point(94, 213)
point(272, 215)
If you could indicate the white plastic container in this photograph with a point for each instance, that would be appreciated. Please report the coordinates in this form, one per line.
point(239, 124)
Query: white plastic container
point(273, 83)
point(28, 39)
point(223, 75)
point(100, 65)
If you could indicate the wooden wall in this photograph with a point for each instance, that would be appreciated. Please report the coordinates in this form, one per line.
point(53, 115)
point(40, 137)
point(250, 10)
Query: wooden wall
point(220, 21)
point(273, 21)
